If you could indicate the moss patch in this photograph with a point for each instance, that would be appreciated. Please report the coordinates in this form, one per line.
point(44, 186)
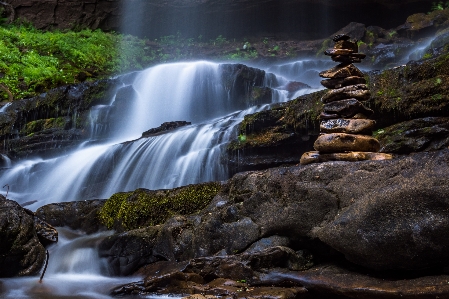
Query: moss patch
point(144, 207)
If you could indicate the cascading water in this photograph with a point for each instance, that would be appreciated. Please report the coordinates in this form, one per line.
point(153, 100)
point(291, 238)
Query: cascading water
point(74, 271)
point(181, 91)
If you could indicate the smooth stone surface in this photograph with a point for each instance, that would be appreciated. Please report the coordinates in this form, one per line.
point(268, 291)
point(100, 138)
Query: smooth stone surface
point(350, 126)
point(342, 82)
point(346, 108)
point(342, 71)
point(316, 157)
point(341, 142)
point(358, 91)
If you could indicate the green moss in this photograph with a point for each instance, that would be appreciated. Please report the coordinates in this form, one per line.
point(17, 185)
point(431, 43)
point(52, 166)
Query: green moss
point(147, 208)
point(324, 46)
point(43, 124)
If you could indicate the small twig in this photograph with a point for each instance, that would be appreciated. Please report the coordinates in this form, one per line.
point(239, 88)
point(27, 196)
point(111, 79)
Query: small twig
point(45, 268)
point(10, 96)
point(7, 190)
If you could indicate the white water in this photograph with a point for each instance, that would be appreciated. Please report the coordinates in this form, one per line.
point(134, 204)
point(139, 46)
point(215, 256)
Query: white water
point(181, 91)
point(74, 271)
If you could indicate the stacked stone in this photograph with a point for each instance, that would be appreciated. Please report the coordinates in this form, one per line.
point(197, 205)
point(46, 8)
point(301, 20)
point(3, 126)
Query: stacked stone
point(345, 127)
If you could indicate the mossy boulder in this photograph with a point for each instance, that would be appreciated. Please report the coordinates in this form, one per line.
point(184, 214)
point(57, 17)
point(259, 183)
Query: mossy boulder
point(142, 207)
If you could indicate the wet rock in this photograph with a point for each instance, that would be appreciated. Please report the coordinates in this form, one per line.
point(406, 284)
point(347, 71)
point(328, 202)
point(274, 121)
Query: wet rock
point(423, 134)
point(129, 251)
point(342, 82)
point(21, 253)
point(326, 116)
point(46, 233)
point(265, 243)
point(77, 215)
point(350, 126)
point(342, 71)
point(164, 128)
point(317, 157)
point(294, 86)
point(346, 108)
point(359, 92)
point(341, 142)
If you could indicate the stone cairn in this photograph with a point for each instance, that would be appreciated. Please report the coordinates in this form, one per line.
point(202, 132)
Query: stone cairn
point(345, 128)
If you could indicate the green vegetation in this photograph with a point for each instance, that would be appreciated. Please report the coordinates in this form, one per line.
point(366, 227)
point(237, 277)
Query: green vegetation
point(439, 5)
point(147, 208)
point(32, 61)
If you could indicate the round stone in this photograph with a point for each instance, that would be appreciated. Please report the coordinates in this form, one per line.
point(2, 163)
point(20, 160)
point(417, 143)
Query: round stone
point(350, 126)
point(342, 142)
point(332, 52)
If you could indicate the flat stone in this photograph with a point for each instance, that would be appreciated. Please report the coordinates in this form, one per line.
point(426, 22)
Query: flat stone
point(332, 52)
point(342, 70)
point(340, 37)
point(346, 108)
point(316, 157)
point(342, 142)
point(345, 59)
point(342, 82)
point(358, 91)
point(350, 126)
point(324, 116)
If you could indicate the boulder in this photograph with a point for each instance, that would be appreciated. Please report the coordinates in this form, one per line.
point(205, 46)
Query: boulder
point(21, 253)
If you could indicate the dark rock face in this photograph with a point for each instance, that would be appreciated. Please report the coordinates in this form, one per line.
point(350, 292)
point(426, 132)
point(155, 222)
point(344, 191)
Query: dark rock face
point(54, 121)
point(164, 128)
point(21, 253)
point(211, 18)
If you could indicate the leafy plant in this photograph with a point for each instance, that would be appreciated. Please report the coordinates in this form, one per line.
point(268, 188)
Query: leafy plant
point(439, 5)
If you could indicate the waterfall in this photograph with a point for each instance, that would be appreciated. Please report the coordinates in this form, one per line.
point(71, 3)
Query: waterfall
point(191, 92)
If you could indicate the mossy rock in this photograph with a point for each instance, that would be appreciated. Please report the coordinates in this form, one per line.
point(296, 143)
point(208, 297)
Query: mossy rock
point(424, 134)
point(142, 207)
